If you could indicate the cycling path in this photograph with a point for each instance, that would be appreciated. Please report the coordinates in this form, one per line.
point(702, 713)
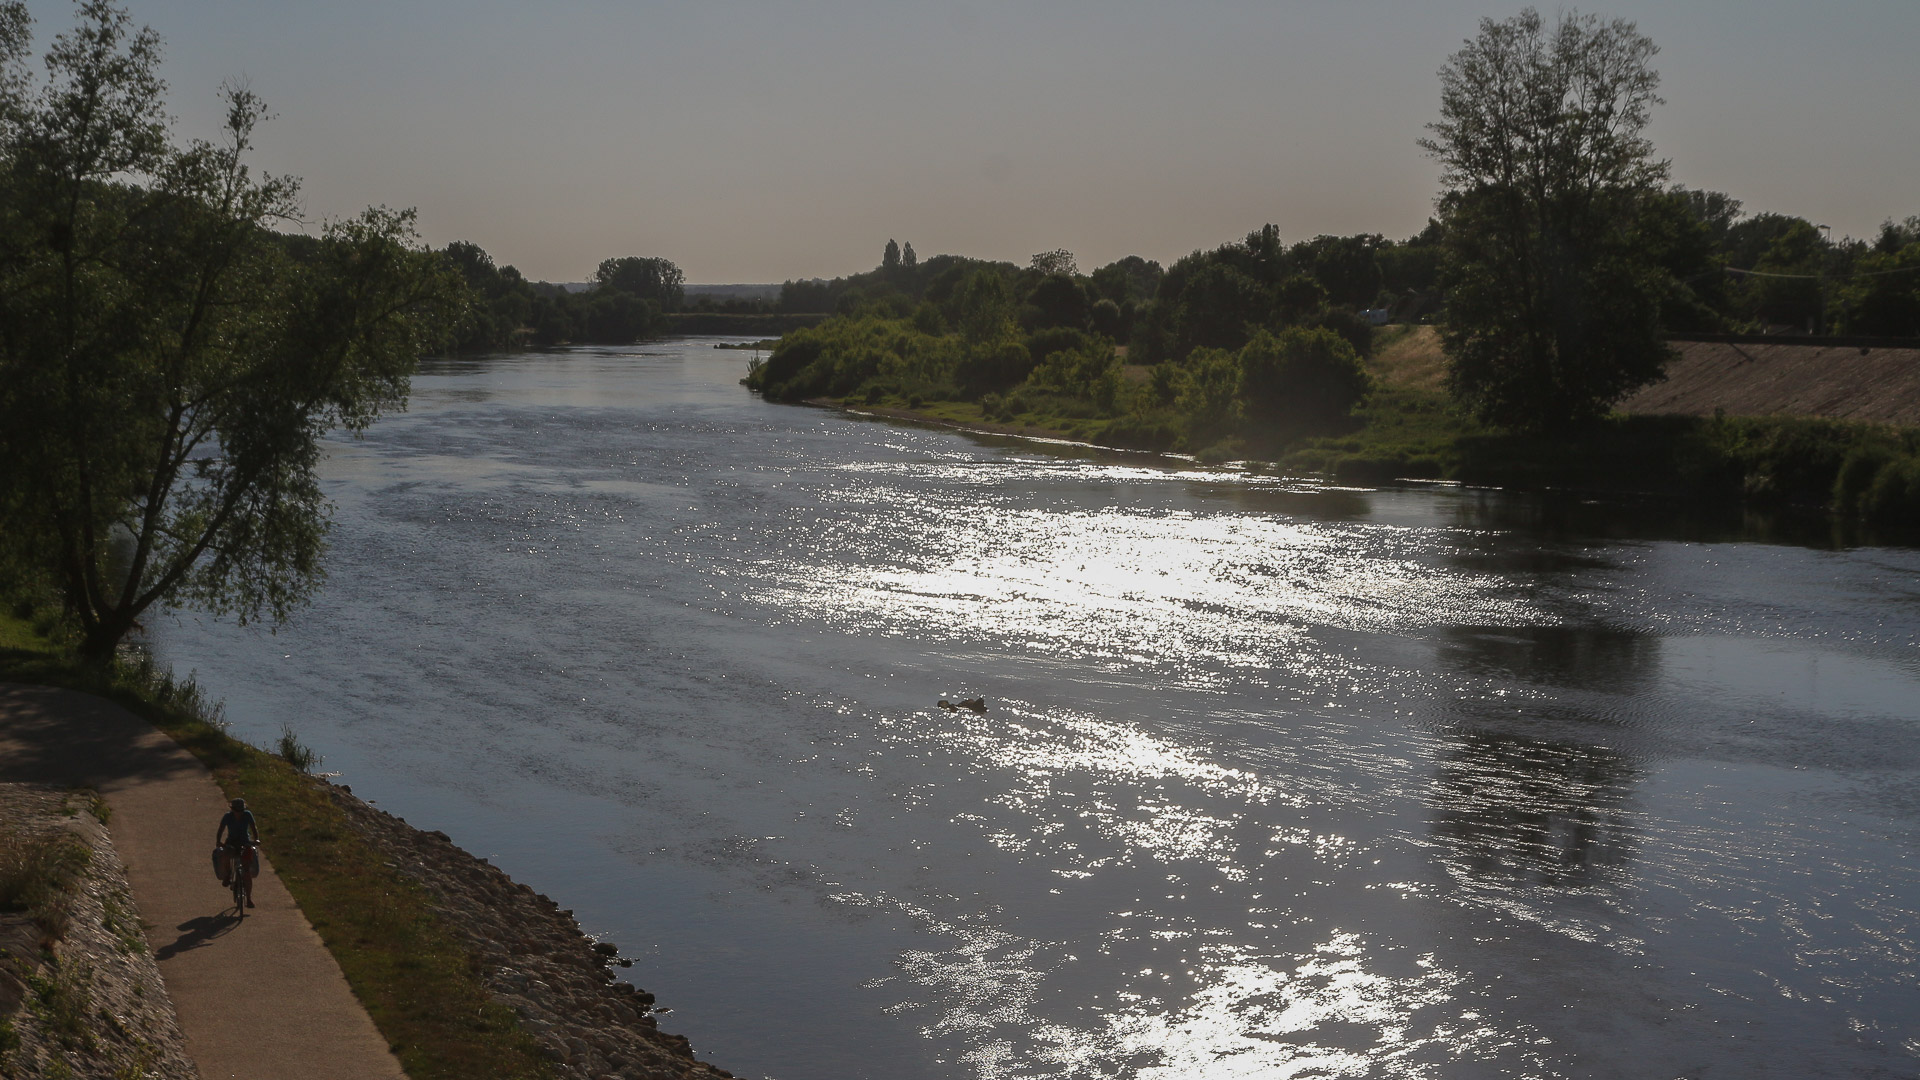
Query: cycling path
point(259, 998)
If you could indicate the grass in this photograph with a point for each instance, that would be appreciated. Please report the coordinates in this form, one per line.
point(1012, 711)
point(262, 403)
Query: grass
point(422, 986)
point(38, 877)
point(295, 753)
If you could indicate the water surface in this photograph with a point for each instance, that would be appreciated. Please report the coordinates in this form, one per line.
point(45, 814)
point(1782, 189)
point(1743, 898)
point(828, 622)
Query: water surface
point(1276, 780)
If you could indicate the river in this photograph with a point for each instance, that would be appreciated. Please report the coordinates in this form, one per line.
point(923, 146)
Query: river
point(1273, 780)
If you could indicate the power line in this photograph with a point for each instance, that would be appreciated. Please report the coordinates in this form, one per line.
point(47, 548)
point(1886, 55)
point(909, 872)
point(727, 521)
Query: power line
point(1823, 277)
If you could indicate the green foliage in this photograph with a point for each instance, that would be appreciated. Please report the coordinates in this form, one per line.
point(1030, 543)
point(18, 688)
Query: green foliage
point(843, 354)
point(500, 304)
point(1883, 296)
point(168, 364)
point(1131, 280)
point(984, 308)
point(1217, 299)
point(1347, 323)
point(294, 752)
point(655, 280)
point(1893, 498)
point(1300, 379)
point(1088, 372)
point(1044, 343)
point(1056, 262)
point(38, 877)
point(1207, 394)
point(1552, 307)
point(992, 366)
point(1056, 301)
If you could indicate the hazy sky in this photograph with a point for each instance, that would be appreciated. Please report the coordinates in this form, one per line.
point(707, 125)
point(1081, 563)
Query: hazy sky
point(757, 142)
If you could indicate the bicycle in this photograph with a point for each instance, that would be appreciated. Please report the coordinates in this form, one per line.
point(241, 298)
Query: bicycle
point(241, 862)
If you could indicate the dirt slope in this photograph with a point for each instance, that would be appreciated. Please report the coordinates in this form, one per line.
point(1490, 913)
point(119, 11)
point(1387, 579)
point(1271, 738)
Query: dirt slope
point(1874, 385)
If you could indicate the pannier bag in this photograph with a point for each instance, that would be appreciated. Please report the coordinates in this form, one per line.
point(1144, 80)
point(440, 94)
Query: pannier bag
point(220, 863)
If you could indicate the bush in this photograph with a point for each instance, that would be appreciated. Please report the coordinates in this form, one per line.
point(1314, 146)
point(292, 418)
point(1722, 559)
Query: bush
point(1090, 373)
point(1794, 460)
point(1044, 343)
point(1894, 496)
point(38, 877)
point(1857, 473)
point(843, 354)
point(1355, 330)
point(1207, 393)
point(1303, 379)
point(992, 366)
point(294, 753)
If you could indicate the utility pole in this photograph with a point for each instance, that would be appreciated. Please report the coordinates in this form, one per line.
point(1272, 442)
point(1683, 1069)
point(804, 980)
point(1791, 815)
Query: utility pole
point(1825, 243)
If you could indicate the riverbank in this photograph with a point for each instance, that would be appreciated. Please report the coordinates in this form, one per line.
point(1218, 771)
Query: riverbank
point(464, 973)
point(1862, 473)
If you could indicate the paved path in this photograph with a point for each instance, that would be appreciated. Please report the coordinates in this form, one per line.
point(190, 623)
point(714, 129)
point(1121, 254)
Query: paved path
point(259, 998)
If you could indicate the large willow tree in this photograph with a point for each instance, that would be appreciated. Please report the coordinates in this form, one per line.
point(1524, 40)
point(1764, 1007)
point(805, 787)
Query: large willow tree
point(1553, 288)
point(169, 363)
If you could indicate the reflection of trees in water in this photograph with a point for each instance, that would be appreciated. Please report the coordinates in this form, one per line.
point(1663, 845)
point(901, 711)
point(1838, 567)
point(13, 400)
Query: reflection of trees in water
point(1309, 503)
point(1561, 516)
point(1511, 808)
point(1582, 657)
point(1525, 798)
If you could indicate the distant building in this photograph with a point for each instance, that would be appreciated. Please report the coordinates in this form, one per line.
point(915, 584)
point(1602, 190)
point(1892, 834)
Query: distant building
point(1377, 316)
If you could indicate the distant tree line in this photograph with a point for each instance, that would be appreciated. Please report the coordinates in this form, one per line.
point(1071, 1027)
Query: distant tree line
point(1042, 343)
point(505, 310)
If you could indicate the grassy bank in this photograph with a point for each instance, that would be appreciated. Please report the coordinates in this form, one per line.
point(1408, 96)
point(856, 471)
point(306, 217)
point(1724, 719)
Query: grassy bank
point(1408, 427)
point(422, 988)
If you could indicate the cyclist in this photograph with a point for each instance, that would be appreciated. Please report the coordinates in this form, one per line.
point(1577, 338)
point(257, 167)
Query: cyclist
point(236, 833)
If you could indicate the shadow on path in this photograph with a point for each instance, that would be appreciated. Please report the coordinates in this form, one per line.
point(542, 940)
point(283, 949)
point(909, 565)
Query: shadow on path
point(82, 741)
point(198, 933)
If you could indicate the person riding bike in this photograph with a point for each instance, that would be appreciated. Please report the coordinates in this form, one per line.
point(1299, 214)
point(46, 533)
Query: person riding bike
point(236, 833)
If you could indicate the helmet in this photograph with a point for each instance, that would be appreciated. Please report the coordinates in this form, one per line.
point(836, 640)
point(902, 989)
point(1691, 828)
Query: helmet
point(239, 804)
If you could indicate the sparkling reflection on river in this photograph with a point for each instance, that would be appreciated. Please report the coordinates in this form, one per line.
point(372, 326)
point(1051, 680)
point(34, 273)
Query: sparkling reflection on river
point(1275, 780)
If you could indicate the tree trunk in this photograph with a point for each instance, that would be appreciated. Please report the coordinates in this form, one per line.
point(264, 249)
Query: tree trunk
point(98, 646)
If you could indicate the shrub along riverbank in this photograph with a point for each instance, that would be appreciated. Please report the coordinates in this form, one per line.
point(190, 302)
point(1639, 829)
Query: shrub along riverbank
point(1304, 402)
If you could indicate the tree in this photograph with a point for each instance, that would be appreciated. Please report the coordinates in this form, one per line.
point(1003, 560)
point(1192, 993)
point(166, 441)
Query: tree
point(1552, 311)
point(890, 259)
point(907, 258)
point(168, 364)
point(1057, 300)
point(1301, 378)
point(1057, 261)
point(1132, 279)
point(986, 308)
point(1883, 299)
point(646, 279)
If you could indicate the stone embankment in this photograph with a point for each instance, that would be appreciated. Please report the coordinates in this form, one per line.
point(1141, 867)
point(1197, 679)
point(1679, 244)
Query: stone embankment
point(80, 995)
point(538, 962)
